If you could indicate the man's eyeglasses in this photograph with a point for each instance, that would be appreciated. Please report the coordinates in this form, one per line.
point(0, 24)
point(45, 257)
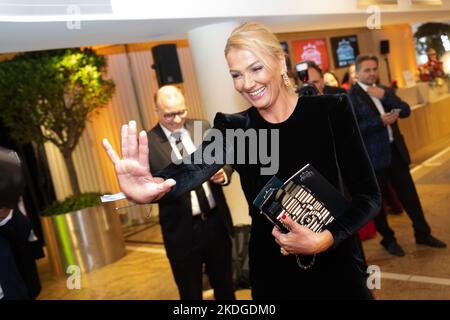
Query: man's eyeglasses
point(172, 115)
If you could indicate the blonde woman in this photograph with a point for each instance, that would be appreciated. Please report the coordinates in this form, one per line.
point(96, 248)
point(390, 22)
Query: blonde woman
point(321, 131)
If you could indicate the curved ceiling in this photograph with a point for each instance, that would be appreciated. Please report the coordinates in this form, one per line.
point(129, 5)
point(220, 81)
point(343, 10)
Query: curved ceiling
point(25, 26)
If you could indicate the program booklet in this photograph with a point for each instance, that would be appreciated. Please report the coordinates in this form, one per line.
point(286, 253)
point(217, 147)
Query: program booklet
point(307, 198)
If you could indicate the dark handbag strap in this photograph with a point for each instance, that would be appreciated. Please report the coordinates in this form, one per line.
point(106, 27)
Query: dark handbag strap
point(341, 183)
point(341, 189)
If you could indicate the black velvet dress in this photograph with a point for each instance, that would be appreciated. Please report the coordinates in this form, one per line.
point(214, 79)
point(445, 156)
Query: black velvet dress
point(305, 137)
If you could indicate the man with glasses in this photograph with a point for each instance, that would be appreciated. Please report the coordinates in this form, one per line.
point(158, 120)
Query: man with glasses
point(196, 228)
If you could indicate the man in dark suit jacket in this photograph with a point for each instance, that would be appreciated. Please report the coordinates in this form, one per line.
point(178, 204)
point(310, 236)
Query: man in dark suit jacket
point(315, 77)
point(18, 273)
point(197, 226)
point(377, 110)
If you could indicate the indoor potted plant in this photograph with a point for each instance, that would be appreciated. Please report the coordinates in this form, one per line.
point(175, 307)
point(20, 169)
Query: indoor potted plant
point(48, 96)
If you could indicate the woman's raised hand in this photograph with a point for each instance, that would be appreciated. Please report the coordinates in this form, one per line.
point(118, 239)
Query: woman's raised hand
point(133, 170)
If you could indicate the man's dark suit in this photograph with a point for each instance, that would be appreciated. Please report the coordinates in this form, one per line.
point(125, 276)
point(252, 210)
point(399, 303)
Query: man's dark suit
point(390, 160)
point(18, 273)
point(185, 236)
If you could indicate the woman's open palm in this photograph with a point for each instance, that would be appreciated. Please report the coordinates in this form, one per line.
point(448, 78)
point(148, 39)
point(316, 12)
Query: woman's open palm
point(133, 171)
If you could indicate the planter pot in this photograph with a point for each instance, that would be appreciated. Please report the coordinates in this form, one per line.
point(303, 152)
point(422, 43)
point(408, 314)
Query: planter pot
point(134, 215)
point(89, 238)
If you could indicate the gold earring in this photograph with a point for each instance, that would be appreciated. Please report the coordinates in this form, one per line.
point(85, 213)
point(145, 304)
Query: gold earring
point(286, 80)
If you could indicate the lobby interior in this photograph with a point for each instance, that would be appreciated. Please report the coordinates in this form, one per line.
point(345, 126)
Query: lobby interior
point(125, 35)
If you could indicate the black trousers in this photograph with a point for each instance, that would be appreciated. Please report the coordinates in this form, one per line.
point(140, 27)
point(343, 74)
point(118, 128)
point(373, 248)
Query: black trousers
point(212, 248)
point(400, 177)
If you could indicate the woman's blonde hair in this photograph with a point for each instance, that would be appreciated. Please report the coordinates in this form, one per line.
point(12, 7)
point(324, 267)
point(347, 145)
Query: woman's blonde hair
point(258, 39)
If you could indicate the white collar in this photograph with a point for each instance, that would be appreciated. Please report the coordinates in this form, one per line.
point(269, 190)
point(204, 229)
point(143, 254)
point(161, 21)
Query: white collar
point(363, 86)
point(366, 86)
point(168, 133)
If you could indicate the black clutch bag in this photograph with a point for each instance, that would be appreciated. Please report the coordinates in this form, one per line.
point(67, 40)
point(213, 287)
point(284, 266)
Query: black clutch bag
point(307, 198)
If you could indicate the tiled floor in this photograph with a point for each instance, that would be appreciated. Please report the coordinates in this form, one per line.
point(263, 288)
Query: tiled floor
point(424, 273)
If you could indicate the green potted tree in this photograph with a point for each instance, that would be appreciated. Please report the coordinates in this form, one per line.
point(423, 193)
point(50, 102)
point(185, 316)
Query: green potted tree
point(48, 96)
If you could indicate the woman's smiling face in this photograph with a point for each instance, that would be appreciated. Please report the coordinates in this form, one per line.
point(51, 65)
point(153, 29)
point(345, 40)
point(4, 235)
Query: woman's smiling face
point(257, 82)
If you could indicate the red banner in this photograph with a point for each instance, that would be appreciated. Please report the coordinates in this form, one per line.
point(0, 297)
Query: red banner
point(311, 49)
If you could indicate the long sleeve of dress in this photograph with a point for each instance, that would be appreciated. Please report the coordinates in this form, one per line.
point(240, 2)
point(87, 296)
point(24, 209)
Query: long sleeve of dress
point(356, 171)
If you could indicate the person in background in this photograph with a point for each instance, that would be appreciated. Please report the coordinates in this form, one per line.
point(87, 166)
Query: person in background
point(316, 78)
point(258, 70)
point(330, 79)
point(377, 109)
point(349, 78)
point(196, 226)
point(19, 278)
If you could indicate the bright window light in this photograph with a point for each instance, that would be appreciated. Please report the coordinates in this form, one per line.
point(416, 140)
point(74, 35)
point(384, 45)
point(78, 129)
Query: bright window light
point(445, 42)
